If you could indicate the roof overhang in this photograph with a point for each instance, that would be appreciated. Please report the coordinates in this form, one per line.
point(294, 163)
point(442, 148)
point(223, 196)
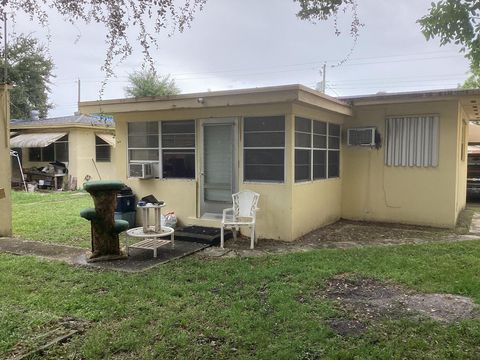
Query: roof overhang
point(468, 98)
point(35, 140)
point(220, 99)
point(61, 127)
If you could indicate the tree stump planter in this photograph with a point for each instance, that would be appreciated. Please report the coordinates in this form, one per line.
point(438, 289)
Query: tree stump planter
point(104, 228)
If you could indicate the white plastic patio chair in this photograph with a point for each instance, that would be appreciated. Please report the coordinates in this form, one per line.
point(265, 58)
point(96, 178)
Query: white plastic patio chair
point(242, 214)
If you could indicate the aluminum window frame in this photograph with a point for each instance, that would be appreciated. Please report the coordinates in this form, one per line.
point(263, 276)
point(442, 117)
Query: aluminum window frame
point(160, 149)
point(55, 157)
point(104, 145)
point(313, 149)
point(243, 132)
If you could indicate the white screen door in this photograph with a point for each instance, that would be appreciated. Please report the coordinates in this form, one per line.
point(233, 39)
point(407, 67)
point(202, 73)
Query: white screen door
point(219, 179)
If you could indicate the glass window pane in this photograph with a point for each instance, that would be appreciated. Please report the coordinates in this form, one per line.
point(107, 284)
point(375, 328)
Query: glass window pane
point(48, 153)
point(276, 139)
point(333, 130)
point(143, 155)
point(35, 154)
point(178, 134)
point(302, 124)
point(320, 141)
point(144, 141)
point(265, 123)
point(265, 157)
point(143, 128)
point(319, 164)
point(273, 173)
point(302, 165)
point(333, 164)
point(302, 140)
point(63, 138)
point(178, 140)
point(264, 165)
point(102, 153)
point(333, 142)
point(61, 151)
point(178, 127)
point(319, 127)
point(178, 164)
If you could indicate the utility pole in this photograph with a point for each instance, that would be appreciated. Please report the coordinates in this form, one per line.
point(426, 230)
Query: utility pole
point(5, 71)
point(78, 91)
point(324, 73)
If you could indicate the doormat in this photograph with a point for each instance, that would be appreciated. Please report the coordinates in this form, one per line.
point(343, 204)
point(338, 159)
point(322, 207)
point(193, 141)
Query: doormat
point(201, 234)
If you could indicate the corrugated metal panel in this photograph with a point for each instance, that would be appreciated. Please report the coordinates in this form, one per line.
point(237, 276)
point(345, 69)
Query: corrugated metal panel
point(35, 140)
point(412, 141)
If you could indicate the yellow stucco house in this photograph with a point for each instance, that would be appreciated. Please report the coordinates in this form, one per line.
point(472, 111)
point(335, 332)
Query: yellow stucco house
point(312, 158)
point(84, 143)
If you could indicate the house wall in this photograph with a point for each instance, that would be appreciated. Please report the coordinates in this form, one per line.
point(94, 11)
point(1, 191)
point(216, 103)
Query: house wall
point(473, 133)
point(81, 155)
point(274, 220)
point(316, 203)
point(462, 161)
point(82, 158)
point(426, 196)
point(5, 167)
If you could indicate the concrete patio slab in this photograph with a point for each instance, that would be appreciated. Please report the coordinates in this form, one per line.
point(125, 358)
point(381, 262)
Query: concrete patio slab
point(40, 249)
point(139, 260)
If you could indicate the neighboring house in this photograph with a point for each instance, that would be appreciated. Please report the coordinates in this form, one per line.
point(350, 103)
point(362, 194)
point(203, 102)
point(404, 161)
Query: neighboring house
point(83, 143)
point(291, 145)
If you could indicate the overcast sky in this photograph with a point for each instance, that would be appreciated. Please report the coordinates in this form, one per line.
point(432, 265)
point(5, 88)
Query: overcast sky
point(250, 43)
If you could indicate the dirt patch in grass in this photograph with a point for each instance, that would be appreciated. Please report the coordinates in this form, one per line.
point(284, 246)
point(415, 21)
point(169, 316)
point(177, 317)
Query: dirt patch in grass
point(52, 334)
point(365, 301)
point(347, 234)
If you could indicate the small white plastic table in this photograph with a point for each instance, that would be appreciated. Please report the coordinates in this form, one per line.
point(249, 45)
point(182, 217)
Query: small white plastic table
point(152, 239)
point(152, 234)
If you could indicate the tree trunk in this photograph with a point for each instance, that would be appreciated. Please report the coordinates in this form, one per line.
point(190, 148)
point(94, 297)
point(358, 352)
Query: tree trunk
point(105, 240)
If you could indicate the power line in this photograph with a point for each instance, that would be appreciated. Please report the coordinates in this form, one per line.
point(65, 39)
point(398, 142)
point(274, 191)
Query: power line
point(317, 63)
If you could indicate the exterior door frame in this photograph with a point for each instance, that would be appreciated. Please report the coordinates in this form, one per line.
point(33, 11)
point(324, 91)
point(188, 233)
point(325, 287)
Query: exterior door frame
point(234, 122)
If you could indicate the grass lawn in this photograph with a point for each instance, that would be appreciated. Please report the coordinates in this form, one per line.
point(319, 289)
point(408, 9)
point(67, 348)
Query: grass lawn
point(51, 217)
point(265, 307)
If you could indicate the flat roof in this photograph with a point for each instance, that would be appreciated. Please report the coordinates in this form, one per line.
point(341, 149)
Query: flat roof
point(468, 98)
point(420, 94)
point(227, 98)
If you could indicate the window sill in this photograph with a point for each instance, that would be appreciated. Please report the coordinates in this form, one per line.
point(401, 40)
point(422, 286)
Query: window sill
point(258, 182)
point(316, 181)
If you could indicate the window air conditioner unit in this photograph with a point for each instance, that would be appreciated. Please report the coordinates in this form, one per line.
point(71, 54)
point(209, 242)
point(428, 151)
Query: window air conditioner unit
point(361, 136)
point(140, 170)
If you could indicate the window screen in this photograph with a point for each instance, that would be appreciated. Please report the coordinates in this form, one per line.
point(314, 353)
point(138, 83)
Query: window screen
point(102, 150)
point(58, 151)
point(317, 150)
point(175, 157)
point(412, 141)
point(264, 148)
point(333, 151)
point(178, 149)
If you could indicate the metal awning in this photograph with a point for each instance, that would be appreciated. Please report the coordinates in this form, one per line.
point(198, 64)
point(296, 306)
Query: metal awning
point(35, 140)
point(108, 138)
